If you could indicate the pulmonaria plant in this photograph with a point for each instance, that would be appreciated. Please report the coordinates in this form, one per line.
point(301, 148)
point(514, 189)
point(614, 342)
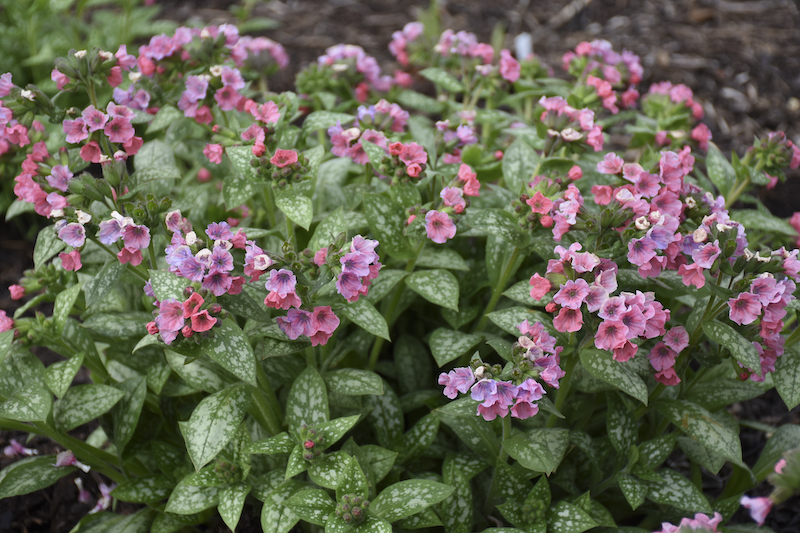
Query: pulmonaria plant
point(259, 287)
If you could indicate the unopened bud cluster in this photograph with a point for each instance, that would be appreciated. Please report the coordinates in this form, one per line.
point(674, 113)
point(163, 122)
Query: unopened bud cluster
point(352, 509)
point(312, 442)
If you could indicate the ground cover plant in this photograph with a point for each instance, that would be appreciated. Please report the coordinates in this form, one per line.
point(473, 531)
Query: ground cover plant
point(270, 291)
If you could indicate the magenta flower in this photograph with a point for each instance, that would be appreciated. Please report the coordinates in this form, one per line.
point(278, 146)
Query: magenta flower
point(744, 309)
point(568, 320)
point(94, 118)
point(281, 282)
point(59, 178)
point(136, 237)
point(706, 254)
point(119, 130)
point(355, 263)
point(15, 448)
point(75, 130)
point(221, 260)
point(439, 227)
point(572, 294)
point(323, 319)
point(296, 322)
point(218, 282)
point(284, 158)
point(348, 284)
point(455, 381)
point(170, 315)
point(227, 98)
point(611, 334)
point(73, 234)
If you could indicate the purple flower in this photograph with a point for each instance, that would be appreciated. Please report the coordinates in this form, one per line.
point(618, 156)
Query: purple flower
point(221, 260)
point(75, 130)
point(348, 285)
point(641, 251)
point(136, 237)
point(281, 281)
point(355, 263)
point(73, 234)
point(219, 231)
point(706, 254)
point(218, 282)
point(59, 177)
point(170, 315)
point(191, 269)
point(455, 381)
point(297, 322)
point(196, 87)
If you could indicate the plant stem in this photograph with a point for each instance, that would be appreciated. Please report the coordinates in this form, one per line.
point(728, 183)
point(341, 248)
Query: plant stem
point(267, 403)
point(270, 205)
point(502, 458)
point(497, 292)
point(398, 292)
point(564, 384)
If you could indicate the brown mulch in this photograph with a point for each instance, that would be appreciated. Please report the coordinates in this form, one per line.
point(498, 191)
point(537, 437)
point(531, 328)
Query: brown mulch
point(740, 57)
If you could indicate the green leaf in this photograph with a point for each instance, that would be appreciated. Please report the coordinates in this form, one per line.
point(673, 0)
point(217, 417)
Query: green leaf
point(386, 219)
point(296, 206)
point(187, 499)
point(509, 318)
point(164, 118)
point(29, 404)
point(497, 222)
point(307, 402)
point(201, 374)
point(787, 437)
point(30, 474)
point(655, 451)
point(621, 426)
point(677, 491)
point(380, 459)
point(168, 285)
point(275, 517)
point(328, 229)
point(447, 345)
point(118, 325)
point(456, 509)
point(125, 415)
point(420, 102)
point(311, 505)
point(474, 432)
point(155, 168)
point(364, 314)
point(353, 481)
point(213, 423)
point(335, 429)
point(720, 170)
point(325, 119)
point(541, 450)
point(231, 503)
point(601, 365)
point(47, 245)
point(701, 425)
point(408, 497)
point(443, 79)
point(787, 377)
point(719, 393)
point(385, 417)
point(230, 348)
point(419, 438)
point(424, 519)
point(520, 161)
point(64, 302)
point(326, 471)
point(238, 188)
point(564, 517)
point(354, 382)
point(441, 258)
point(374, 152)
point(437, 286)
point(6, 339)
point(384, 283)
point(632, 489)
point(83, 403)
point(144, 489)
point(406, 194)
point(280, 443)
point(698, 453)
point(59, 376)
point(96, 289)
point(758, 220)
point(741, 349)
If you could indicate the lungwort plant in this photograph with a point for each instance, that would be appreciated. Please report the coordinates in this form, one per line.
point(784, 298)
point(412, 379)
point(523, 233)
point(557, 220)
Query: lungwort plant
point(467, 296)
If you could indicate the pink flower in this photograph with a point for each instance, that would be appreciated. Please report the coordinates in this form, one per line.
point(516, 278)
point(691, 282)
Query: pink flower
point(540, 203)
point(71, 261)
point(702, 135)
point(323, 319)
point(568, 320)
point(744, 309)
point(136, 237)
point(539, 286)
point(94, 118)
point(213, 152)
point(413, 170)
point(227, 98)
point(469, 179)
point(73, 234)
point(15, 448)
point(296, 322)
point(413, 153)
point(170, 315)
point(60, 78)
point(17, 291)
point(572, 294)
point(6, 323)
point(453, 197)
point(692, 275)
point(668, 377)
point(611, 164)
point(677, 338)
point(610, 335)
point(59, 178)
point(759, 508)
point(455, 381)
point(509, 67)
point(706, 254)
point(90, 152)
point(281, 282)
point(75, 130)
point(67, 458)
point(439, 227)
point(283, 158)
point(119, 130)
point(662, 357)
point(126, 255)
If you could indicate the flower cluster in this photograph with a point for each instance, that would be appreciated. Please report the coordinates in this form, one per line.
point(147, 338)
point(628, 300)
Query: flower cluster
point(116, 128)
point(566, 125)
point(536, 356)
point(438, 225)
point(359, 267)
point(699, 524)
point(188, 317)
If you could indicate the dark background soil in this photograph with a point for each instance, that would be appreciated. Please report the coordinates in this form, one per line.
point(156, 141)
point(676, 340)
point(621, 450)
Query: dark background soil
point(741, 59)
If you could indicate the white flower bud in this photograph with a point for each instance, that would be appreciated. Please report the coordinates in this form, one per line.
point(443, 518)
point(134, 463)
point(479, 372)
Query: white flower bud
point(25, 93)
point(134, 76)
point(216, 71)
point(569, 135)
point(699, 235)
point(339, 67)
point(80, 54)
point(105, 55)
point(191, 238)
point(723, 227)
point(690, 202)
point(83, 218)
point(642, 223)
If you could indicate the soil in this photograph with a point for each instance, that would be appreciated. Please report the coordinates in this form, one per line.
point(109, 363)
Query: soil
point(740, 57)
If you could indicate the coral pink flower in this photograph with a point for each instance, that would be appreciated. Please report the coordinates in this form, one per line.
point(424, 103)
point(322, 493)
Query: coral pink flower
point(413, 153)
point(744, 309)
point(17, 291)
point(71, 261)
point(568, 320)
point(539, 286)
point(540, 203)
point(439, 227)
point(90, 152)
point(6, 322)
point(213, 152)
point(668, 377)
point(509, 67)
point(283, 158)
point(692, 275)
point(611, 164)
point(677, 338)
